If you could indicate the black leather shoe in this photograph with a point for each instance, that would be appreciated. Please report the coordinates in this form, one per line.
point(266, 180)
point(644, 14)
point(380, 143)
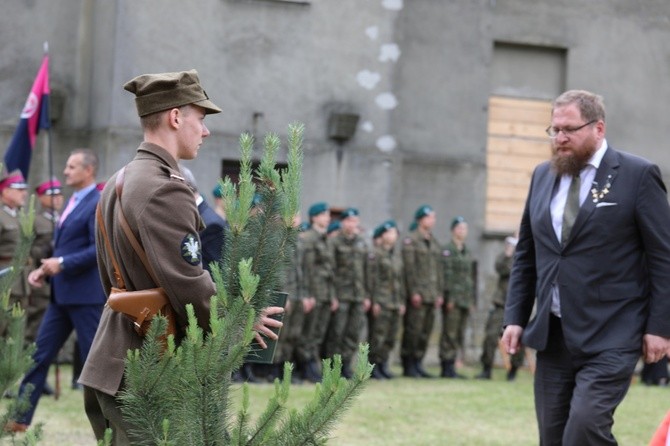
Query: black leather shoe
point(47, 390)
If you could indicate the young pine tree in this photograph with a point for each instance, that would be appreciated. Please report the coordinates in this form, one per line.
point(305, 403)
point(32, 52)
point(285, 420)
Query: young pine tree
point(179, 395)
point(15, 355)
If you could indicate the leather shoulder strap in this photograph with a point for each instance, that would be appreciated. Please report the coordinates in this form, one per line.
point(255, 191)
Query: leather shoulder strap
point(137, 246)
point(120, 283)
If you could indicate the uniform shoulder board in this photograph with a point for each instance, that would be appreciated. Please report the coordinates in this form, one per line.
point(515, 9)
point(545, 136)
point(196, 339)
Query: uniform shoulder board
point(407, 241)
point(446, 253)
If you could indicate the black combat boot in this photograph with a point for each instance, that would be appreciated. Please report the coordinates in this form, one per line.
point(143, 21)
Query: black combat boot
point(420, 370)
point(449, 371)
point(385, 370)
point(346, 369)
point(485, 373)
point(377, 372)
point(511, 374)
point(311, 372)
point(409, 368)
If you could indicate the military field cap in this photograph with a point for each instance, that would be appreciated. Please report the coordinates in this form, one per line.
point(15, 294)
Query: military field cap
point(423, 211)
point(317, 208)
point(163, 91)
point(13, 180)
point(50, 187)
point(333, 226)
point(349, 212)
point(457, 221)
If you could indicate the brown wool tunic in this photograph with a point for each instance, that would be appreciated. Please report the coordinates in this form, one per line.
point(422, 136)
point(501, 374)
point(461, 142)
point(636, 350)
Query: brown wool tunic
point(161, 211)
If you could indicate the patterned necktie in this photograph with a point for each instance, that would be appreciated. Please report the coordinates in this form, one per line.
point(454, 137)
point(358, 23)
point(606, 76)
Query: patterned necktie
point(571, 208)
point(66, 212)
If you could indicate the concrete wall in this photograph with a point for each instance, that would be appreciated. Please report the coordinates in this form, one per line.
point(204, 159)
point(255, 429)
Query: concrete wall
point(419, 74)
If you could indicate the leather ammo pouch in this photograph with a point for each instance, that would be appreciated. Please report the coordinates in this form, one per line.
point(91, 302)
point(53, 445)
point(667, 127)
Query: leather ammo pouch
point(142, 306)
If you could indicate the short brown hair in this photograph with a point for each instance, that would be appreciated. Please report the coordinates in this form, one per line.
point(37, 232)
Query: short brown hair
point(590, 105)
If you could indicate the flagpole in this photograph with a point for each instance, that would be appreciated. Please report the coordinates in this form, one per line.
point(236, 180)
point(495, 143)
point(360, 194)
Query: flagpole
point(53, 220)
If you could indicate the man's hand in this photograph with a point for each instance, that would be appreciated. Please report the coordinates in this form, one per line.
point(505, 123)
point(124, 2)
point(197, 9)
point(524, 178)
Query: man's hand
point(265, 323)
point(308, 304)
point(334, 304)
point(511, 338)
point(376, 309)
point(439, 302)
point(51, 266)
point(36, 278)
point(654, 348)
point(416, 300)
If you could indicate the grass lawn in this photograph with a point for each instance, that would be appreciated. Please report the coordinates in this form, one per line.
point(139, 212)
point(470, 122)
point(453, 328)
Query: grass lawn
point(408, 412)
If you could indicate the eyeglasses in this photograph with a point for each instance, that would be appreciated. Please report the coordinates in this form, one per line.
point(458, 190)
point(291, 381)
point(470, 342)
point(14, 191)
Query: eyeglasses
point(567, 131)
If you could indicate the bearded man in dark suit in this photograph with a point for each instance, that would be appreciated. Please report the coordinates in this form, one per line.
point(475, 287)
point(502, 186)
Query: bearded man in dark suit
point(594, 255)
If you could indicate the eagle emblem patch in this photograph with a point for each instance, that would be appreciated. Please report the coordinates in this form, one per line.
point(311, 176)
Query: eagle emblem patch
point(190, 249)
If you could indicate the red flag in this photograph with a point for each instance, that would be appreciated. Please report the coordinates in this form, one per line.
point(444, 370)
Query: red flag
point(35, 115)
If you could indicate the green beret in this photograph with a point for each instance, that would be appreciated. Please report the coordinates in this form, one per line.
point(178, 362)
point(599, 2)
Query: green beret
point(333, 226)
point(164, 91)
point(381, 229)
point(413, 226)
point(303, 226)
point(218, 191)
point(349, 212)
point(422, 212)
point(456, 221)
point(318, 208)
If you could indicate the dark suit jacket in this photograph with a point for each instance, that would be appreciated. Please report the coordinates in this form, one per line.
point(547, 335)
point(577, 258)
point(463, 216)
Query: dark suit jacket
point(212, 237)
point(79, 282)
point(613, 273)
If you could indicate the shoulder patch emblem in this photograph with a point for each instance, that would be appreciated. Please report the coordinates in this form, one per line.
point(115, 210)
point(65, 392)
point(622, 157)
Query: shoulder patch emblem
point(446, 253)
point(190, 249)
point(407, 241)
point(371, 256)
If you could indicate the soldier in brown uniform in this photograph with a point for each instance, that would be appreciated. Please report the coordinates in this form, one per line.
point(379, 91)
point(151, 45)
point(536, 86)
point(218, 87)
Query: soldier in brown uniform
point(317, 272)
point(422, 257)
point(386, 286)
point(13, 196)
point(459, 296)
point(349, 252)
point(162, 214)
point(50, 196)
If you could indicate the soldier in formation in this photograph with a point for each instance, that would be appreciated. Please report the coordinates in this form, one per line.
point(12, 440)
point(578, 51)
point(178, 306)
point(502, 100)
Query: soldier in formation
point(459, 295)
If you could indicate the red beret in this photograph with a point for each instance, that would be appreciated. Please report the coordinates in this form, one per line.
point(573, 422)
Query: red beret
point(51, 187)
point(14, 181)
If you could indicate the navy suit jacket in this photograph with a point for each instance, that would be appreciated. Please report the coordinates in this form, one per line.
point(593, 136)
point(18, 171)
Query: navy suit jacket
point(79, 282)
point(613, 274)
point(213, 236)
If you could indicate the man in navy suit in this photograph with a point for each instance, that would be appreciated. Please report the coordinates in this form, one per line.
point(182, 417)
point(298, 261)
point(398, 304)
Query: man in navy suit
point(77, 297)
point(594, 256)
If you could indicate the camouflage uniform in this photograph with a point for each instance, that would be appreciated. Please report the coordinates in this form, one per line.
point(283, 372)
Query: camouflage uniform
point(494, 322)
point(294, 316)
point(458, 290)
point(423, 275)
point(347, 322)
point(386, 287)
point(317, 271)
point(42, 248)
